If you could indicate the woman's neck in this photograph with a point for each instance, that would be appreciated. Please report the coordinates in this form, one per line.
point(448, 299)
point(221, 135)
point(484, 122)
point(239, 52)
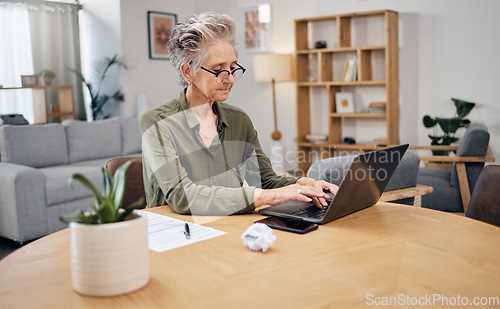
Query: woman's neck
point(199, 104)
point(202, 108)
point(195, 97)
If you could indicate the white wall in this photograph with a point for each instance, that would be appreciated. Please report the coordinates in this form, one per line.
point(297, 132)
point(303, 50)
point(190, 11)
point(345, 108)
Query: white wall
point(448, 48)
point(155, 78)
point(100, 36)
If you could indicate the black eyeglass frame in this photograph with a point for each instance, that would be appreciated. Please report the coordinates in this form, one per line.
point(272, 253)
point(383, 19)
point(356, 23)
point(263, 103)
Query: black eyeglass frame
point(228, 72)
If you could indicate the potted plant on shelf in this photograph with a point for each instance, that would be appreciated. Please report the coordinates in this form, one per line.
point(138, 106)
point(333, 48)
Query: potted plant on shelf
point(46, 77)
point(109, 243)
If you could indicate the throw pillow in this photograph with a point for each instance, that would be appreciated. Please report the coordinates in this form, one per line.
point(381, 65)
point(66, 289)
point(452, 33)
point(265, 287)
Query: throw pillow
point(93, 140)
point(34, 145)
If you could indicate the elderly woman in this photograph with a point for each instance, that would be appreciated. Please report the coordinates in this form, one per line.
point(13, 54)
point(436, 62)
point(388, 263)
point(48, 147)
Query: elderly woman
point(202, 156)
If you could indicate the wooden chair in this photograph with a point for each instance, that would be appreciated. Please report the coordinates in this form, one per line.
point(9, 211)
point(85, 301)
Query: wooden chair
point(134, 184)
point(406, 193)
point(485, 201)
point(452, 190)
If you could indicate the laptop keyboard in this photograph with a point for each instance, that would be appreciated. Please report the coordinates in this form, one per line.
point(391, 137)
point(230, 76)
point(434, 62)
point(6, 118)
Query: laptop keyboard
point(310, 212)
point(313, 211)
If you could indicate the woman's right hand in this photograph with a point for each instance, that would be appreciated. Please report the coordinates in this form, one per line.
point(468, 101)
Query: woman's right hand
point(278, 196)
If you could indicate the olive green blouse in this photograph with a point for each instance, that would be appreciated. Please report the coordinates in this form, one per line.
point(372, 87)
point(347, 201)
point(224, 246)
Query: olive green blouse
point(179, 170)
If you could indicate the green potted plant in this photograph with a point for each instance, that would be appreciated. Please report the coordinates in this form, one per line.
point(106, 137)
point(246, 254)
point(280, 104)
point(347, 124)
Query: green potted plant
point(46, 77)
point(109, 243)
point(449, 126)
point(99, 100)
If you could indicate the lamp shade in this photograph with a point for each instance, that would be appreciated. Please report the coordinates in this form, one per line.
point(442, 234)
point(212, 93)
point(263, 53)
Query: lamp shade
point(267, 67)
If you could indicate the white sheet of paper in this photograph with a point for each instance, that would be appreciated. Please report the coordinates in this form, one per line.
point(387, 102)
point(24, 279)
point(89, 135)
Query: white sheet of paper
point(165, 233)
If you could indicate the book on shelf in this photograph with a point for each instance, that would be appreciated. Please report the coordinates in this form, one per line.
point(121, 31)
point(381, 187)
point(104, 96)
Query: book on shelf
point(354, 75)
point(377, 108)
point(344, 71)
point(350, 72)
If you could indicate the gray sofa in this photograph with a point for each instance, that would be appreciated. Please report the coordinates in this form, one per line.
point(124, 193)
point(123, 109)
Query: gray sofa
point(36, 162)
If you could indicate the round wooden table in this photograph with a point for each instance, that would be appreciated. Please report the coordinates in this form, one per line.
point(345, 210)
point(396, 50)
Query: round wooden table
point(386, 253)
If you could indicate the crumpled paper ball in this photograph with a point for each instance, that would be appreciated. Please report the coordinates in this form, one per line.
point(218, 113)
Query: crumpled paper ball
point(258, 237)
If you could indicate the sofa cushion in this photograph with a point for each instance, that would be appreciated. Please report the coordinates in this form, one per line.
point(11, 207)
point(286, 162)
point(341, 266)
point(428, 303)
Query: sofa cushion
point(56, 183)
point(93, 140)
point(131, 136)
point(34, 145)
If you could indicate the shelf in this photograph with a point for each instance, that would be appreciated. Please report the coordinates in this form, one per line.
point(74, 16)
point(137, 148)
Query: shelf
point(372, 38)
point(323, 18)
point(65, 100)
point(334, 83)
point(339, 50)
point(38, 87)
point(60, 114)
point(357, 115)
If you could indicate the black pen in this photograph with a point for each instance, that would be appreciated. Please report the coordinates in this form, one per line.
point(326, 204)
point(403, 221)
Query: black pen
point(186, 231)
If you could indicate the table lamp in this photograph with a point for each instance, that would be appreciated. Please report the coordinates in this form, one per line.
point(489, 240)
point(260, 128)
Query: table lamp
point(273, 67)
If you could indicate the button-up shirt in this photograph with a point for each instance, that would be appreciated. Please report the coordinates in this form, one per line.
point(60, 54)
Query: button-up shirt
point(179, 170)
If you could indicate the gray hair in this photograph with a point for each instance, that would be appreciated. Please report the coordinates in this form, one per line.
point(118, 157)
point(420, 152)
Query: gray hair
point(190, 39)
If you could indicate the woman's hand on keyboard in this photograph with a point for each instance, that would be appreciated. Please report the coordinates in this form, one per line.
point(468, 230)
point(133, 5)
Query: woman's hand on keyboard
point(282, 195)
point(319, 185)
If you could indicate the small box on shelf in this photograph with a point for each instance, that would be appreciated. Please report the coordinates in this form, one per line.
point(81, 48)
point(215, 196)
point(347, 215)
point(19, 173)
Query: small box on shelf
point(377, 108)
point(380, 141)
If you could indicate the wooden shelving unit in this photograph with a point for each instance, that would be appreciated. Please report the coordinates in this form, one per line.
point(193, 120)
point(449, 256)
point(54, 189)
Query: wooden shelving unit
point(64, 108)
point(340, 31)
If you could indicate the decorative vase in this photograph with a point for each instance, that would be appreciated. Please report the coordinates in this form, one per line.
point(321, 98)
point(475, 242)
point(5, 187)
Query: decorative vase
point(46, 81)
point(110, 259)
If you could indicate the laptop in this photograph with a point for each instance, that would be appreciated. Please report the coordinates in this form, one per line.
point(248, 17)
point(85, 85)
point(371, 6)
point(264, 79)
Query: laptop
point(362, 186)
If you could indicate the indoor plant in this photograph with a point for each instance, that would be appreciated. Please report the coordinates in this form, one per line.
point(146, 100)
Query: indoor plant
point(449, 126)
point(109, 243)
point(98, 100)
point(46, 77)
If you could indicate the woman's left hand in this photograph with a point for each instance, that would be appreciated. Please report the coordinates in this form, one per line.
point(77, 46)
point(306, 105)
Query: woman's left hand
point(320, 185)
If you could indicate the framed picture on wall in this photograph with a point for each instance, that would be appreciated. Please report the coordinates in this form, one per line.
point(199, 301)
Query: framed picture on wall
point(160, 27)
point(256, 34)
point(344, 102)
point(29, 80)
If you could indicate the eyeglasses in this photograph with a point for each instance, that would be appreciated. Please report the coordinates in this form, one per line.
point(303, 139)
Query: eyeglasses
point(221, 76)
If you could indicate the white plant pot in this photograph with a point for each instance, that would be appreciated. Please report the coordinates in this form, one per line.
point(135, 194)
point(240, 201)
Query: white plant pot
point(110, 259)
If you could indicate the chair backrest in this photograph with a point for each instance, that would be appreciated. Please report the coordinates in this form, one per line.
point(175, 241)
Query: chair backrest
point(134, 184)
point(474, 143)
point(334, 169)
point(485, 201)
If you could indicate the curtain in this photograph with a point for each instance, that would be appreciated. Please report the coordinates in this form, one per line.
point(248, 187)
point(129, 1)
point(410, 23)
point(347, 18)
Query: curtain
point(15, 59)
point(41, 36)
point(55, 43)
